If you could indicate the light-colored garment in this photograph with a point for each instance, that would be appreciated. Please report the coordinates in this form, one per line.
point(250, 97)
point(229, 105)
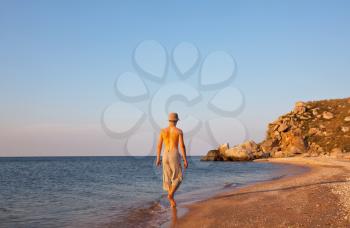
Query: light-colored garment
point(172, 171)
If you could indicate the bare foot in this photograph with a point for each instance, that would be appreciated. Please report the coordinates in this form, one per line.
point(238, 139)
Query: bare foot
point(172, 201)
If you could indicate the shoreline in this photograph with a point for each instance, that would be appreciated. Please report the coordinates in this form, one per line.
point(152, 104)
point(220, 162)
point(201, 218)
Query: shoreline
point(172, 215)
point(316, 197)
point(289, 170)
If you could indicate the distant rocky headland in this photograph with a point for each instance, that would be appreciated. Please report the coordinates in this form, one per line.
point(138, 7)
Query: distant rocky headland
point(311, 129)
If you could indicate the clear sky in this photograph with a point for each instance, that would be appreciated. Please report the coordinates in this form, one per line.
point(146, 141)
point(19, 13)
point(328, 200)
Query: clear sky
point(59, 61)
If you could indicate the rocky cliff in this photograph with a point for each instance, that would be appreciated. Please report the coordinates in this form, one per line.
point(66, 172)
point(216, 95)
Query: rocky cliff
point(315, 128)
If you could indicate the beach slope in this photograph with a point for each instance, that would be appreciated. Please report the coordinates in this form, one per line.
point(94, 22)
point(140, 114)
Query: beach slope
point(318, 198)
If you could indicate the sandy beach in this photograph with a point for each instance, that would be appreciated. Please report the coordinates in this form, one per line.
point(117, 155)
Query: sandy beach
point(317, 198)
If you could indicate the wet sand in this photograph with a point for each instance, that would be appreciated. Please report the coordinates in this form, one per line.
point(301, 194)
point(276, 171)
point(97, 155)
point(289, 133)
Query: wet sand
point(318, 198)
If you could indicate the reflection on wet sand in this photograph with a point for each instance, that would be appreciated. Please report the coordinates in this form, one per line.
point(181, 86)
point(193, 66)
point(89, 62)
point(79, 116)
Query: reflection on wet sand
point(173, 217)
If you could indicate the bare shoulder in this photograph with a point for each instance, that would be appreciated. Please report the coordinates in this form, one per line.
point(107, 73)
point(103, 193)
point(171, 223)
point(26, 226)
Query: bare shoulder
point(163, 131)
point(179, 131)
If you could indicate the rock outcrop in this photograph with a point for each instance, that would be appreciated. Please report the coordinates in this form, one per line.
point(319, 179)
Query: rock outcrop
point(246, 151)
point(316, 128)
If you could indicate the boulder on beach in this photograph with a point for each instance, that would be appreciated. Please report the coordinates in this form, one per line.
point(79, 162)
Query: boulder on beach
point(247, 151)
point(238, 154)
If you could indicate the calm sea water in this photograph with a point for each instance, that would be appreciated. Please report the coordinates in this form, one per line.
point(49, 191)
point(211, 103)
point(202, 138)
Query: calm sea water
point(109, 191)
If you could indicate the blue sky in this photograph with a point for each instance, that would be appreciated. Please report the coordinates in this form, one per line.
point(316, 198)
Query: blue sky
point(59, 61)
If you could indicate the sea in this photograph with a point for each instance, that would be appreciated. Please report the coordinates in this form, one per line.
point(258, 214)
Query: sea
point(113, 191)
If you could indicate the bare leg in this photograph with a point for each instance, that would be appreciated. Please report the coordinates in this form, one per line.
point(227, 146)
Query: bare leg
point(171, 197)
point(172, 201)
point(171, 193)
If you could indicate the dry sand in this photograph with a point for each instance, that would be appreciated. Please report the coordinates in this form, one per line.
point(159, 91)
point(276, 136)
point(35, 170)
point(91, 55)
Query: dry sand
point(318, 198)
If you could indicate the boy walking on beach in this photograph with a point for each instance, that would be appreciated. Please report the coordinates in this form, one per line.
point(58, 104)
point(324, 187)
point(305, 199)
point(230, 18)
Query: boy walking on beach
point(172, 137)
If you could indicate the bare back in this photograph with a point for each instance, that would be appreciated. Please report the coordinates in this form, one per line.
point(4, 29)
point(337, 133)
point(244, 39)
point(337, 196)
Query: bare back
point(171, 136)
